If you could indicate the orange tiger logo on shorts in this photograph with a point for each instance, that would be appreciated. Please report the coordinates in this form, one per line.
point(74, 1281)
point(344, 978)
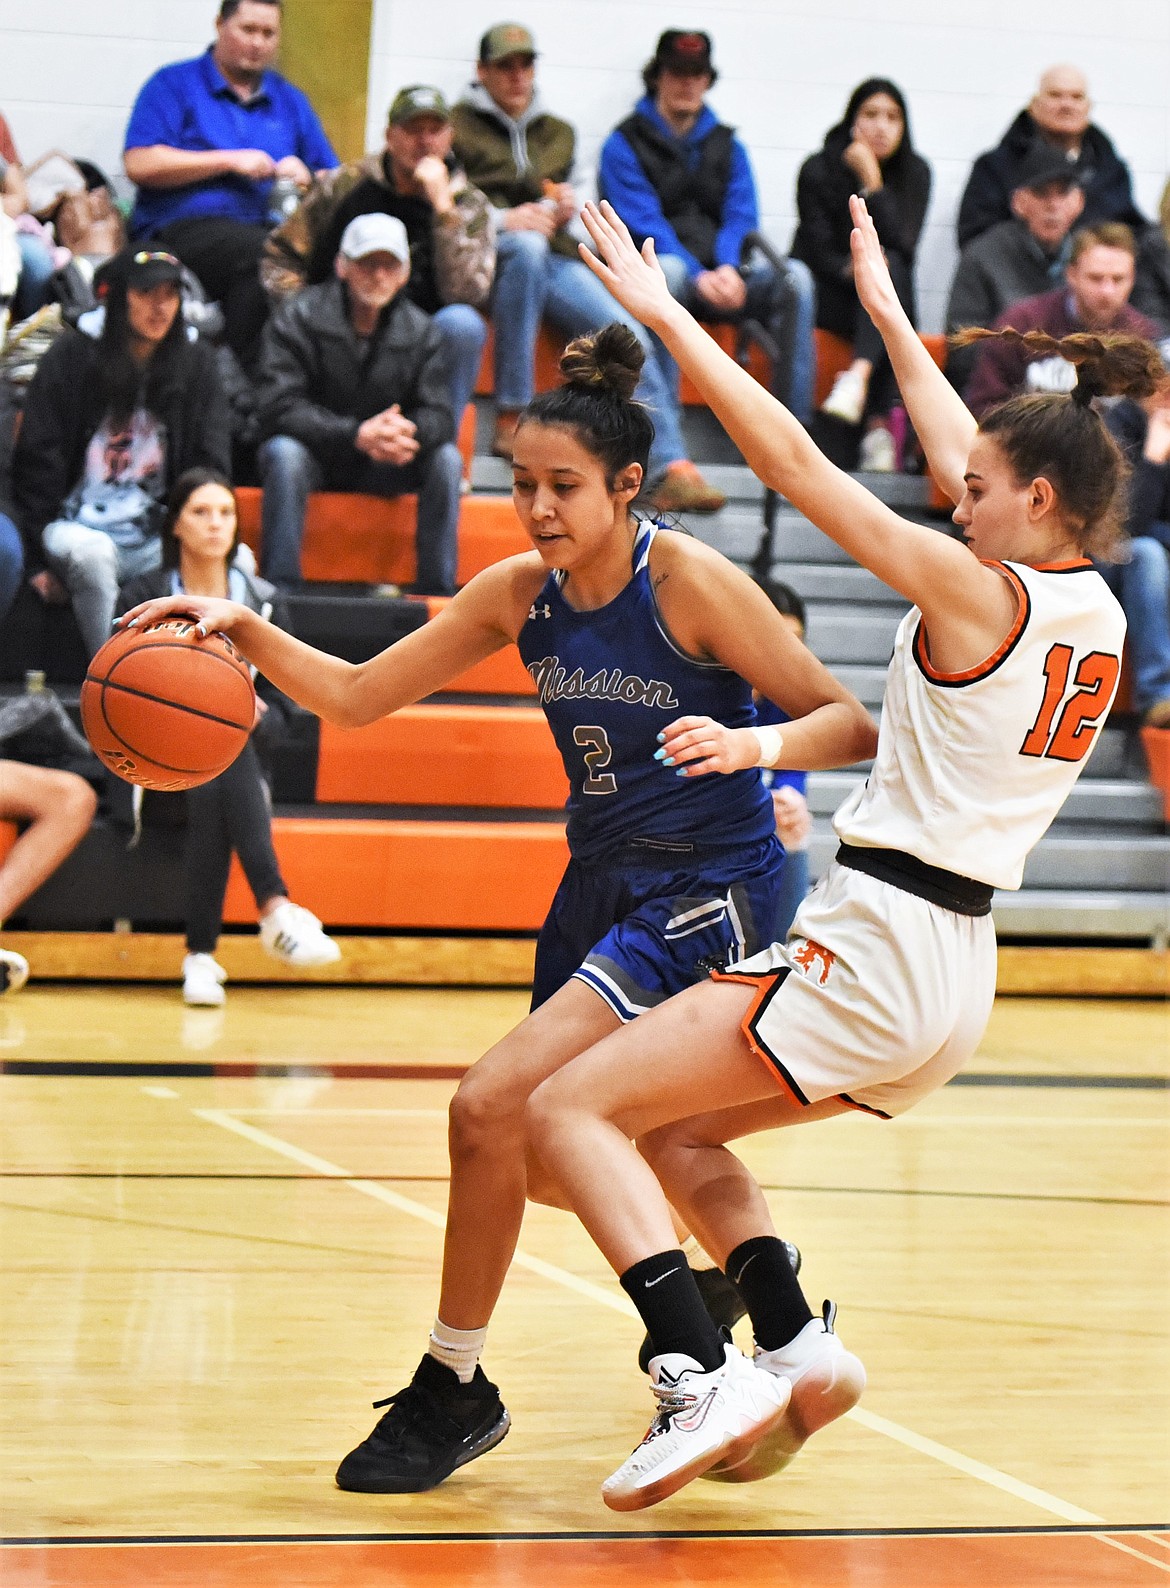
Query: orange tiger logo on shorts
point(808, 955)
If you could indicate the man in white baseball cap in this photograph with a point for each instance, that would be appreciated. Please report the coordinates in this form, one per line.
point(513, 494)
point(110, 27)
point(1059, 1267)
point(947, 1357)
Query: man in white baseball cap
point(354, 396)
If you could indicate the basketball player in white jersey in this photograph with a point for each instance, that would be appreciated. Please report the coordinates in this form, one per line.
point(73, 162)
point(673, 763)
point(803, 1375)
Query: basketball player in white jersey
point(1000, 680)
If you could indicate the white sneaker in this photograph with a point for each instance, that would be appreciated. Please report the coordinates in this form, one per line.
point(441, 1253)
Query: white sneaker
point(13, 971)
point(203, 981)
point(878, 455)
point(294, 935)
point(702, 1418)
point(826, 1381)
point(847, 399)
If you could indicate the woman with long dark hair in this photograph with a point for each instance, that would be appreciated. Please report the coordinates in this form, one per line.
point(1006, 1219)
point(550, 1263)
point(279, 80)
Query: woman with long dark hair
point(232, 814)
point(870, 152)
point(109, 425)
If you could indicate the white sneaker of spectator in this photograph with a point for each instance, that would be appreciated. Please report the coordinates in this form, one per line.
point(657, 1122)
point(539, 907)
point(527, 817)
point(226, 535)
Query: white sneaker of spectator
point(846, 401)
point(878, 454)
point(13, 971)
point(203, 981)
point(293, 934)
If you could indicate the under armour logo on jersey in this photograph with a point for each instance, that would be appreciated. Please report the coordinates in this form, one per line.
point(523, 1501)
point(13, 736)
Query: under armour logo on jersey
point(809, 954)
point(544, 611)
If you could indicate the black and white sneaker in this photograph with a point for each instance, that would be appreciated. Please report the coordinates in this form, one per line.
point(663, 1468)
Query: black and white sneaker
point(433, 1426)
point(721, 1299)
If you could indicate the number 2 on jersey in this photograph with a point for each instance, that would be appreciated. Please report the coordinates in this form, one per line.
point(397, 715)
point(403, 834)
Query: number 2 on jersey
point(1072, 737)
point(595, 743)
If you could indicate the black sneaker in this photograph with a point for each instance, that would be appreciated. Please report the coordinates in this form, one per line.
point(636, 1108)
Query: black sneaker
point(721, 1299)
point(433, 1426)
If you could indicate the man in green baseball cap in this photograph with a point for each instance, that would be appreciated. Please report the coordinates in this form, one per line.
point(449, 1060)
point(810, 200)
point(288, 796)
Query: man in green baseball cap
point(415, 178)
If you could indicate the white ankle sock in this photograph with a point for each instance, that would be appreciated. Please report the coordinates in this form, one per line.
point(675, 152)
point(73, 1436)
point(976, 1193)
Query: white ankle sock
point(697, 1258)
point(458, 1349)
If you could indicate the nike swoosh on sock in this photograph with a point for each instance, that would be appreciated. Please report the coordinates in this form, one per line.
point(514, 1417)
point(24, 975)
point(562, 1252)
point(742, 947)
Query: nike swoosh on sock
point(650, 1283)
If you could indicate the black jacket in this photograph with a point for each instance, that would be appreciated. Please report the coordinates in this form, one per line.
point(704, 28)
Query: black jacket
point(823, 190)
point(63, 409)
point(1101, 171)
point(318, 382)
point(7, 446)
point(1149, 484)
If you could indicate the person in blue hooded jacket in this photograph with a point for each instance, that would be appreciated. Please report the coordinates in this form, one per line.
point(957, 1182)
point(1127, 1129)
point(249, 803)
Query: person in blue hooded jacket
point(676, 173)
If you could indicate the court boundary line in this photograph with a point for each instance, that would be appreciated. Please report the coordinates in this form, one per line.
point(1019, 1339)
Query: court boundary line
point(931, 1448)
point(605, 1535)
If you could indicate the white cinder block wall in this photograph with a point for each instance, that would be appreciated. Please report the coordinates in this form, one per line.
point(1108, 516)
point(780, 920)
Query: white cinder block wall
point(69, 71)
point(787, 68)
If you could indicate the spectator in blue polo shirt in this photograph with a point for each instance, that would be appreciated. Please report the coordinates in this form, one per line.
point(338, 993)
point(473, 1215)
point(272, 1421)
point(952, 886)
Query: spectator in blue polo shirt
point(210, 142)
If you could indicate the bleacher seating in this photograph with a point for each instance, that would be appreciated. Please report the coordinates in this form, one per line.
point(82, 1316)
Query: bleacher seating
point(447, 817)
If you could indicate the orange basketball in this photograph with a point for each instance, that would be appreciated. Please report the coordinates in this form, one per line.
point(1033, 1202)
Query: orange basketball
point(167, 710)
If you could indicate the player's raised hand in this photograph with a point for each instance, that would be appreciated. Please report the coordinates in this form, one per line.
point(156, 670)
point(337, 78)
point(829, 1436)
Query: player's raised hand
point(635, 279)
point(210, 614)
point(871, 274)
point(694, 746)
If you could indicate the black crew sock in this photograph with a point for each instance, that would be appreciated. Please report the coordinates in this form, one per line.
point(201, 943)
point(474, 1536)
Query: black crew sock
point(663, 1289)
point(759, 1269)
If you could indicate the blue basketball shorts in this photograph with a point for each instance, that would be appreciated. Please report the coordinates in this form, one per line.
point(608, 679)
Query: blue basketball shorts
point(657, 918)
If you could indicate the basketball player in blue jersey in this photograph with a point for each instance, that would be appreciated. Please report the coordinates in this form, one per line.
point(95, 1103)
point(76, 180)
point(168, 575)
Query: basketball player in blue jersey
point(1002, 675)
point(628, 631)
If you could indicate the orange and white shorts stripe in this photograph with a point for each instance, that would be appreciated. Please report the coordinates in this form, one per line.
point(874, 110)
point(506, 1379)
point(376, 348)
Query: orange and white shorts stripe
point(878, 997)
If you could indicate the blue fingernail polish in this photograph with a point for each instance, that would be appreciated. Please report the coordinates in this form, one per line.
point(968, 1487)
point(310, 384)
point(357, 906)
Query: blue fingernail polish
point(668, 761)
point(659, 755)
point(680, 771)
point(661, 737)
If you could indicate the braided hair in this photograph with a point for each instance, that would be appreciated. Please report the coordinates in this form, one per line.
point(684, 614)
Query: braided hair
point(1060, 435)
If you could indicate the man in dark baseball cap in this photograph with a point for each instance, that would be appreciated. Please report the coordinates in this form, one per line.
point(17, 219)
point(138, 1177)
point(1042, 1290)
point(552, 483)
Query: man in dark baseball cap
point(1016, 258)
point(687, 53)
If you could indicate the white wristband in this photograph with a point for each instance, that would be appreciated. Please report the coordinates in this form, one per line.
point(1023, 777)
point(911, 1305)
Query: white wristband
point(771, 743)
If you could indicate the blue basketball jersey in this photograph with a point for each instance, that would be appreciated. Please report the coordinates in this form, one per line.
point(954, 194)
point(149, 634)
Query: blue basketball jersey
point(609, 681)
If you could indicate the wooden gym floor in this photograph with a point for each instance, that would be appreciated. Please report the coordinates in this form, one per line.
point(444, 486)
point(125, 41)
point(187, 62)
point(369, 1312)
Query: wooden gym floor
point(219, 1234)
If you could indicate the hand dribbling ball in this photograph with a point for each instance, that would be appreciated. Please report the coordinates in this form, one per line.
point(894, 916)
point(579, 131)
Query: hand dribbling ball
point(165, 709)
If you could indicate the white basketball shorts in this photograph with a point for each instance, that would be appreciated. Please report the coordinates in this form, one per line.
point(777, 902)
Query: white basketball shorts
point(878, 997)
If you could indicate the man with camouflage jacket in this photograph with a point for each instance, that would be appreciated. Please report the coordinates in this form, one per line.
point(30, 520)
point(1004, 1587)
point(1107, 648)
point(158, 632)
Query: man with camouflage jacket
point(450, 225)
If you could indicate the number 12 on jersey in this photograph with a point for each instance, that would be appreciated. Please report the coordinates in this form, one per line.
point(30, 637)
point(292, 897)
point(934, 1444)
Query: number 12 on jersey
point(1064, 728)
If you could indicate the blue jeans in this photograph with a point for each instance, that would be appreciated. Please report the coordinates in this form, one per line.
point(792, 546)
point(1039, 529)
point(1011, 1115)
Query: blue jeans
point(786, 306)
point(289, 473)
point(1142, 585)
point(11, 564)
point(36, 271)
point(92, 567)
point(464, 332)
point(533, 283)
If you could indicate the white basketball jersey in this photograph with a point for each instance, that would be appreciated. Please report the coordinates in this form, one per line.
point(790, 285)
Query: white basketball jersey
point(972, 767)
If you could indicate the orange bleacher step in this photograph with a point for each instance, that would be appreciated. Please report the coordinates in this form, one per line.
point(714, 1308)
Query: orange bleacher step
point(408, 875)
point(496, 756)
point(370, 540)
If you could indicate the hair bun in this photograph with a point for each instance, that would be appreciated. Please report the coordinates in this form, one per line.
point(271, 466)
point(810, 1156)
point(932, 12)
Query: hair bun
point(609, 360)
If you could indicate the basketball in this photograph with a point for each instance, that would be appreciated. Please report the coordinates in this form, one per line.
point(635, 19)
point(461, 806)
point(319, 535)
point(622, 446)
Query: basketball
point(166, 710)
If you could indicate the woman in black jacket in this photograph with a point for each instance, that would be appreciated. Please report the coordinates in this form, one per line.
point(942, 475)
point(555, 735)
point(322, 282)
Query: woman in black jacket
point(231, 813)
point(870, 152)
point(109, 425)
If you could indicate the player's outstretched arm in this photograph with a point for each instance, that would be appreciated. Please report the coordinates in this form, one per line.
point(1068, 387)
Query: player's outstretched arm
point(352, 694)
point(942, 421)
point(939, 575)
